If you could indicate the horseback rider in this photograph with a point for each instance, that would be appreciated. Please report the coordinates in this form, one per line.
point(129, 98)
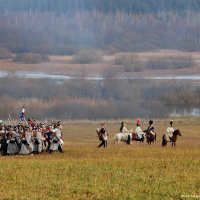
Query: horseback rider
point(127, 133)
point(150, 128)
point(123, 129)
point(138, 130)
point(169, 131)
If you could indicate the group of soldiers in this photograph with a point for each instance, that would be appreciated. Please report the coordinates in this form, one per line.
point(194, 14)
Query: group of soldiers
point(30, 137)
point(103, 134)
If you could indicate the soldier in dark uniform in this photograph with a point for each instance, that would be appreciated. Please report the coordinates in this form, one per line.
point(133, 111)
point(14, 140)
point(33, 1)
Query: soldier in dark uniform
point(4, 144)
point(102, 133)
point(150, 128)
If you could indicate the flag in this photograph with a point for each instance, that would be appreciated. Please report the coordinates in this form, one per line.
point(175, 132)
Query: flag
point(22, 116)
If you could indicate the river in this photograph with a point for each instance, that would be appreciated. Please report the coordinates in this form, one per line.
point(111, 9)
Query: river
point(40, 75)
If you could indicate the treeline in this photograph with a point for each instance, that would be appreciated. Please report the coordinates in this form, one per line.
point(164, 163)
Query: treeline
point(50, 33)
point(83, 99)
point(71, 6)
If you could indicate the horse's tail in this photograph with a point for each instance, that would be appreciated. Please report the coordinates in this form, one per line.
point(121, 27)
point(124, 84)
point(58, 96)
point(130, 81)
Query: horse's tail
point(155, 136)
point(164, 142)
point(129, 139)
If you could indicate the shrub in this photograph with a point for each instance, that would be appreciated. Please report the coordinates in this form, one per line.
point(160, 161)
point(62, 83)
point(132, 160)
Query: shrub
point(130, 62)
point(87, 56)
point(170, 63)
point(5, 54)
point(31, 58)
point(55, 49)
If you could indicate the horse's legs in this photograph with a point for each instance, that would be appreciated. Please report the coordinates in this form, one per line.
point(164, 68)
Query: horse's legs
point(115, 142)
point(164, 141)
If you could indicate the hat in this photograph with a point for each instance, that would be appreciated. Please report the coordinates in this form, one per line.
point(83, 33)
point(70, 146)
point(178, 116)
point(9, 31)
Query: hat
point(151, 122)
point(138, 122)
point(102, 123)
point(170, 121)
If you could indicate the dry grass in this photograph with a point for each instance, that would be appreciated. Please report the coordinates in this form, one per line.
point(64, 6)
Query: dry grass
point(119, 172)
point(65, 65)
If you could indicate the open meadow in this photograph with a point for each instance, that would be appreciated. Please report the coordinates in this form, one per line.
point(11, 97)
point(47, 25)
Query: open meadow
point(116, 172)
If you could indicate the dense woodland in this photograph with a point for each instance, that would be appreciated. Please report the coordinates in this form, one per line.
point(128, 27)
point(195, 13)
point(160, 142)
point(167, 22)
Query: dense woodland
point(64, 27)
point(128, 6)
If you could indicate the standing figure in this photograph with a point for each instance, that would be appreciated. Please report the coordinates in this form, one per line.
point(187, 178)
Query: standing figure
point(29, 138)
point(13, 146)
point(37, 141)
point(102, 134)
point(48, 137)
point(57, 140)
point(24, 143)
point(4, 144)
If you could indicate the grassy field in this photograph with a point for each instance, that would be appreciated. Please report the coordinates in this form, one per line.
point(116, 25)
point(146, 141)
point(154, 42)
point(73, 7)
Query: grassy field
point(116, 172)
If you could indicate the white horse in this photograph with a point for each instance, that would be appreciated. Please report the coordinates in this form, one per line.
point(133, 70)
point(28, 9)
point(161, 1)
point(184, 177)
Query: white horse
point(121, 137)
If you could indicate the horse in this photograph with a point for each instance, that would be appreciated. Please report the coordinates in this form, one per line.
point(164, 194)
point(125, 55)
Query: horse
point(128, 138)
point(134, 137)
point(121, 137)
point(151, 138)
point(172, 139)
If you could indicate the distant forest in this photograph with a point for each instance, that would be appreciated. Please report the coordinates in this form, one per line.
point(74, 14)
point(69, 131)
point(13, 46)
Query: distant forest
point(128, 6)
point(66, 26)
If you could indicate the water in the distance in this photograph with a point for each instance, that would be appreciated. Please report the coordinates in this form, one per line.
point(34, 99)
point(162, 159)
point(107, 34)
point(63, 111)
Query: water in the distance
point(38, 75)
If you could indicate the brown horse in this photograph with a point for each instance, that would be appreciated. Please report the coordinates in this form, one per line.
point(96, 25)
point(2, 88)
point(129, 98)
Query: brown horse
point(134, 137)
point(172, 139)
point(151, 138)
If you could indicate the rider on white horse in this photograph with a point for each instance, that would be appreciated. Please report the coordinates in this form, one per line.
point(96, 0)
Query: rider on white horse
point(123, 128)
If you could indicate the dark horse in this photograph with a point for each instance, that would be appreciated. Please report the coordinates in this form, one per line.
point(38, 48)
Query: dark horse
point(134, 138)
point(151, 138)
point(172, 139)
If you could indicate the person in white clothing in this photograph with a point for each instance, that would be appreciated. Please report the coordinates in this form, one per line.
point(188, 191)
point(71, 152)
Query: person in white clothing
point(123, 129)
point(127, 133)
point(138, 130)
point(57, 140)
point(169, 131)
